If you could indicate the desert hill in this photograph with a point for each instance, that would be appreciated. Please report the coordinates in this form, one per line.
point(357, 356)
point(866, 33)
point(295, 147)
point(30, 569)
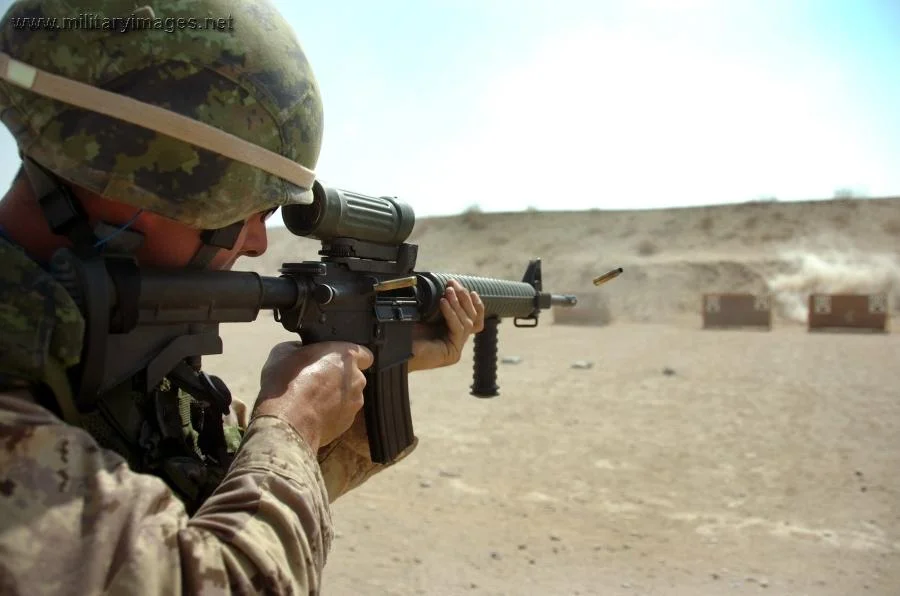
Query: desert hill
point(670, 256)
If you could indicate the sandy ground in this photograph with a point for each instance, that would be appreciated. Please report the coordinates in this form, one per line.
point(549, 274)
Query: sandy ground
point(769, 462)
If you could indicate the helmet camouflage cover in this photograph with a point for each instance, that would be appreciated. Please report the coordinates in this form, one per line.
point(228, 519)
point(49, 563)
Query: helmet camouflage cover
point(249, 78)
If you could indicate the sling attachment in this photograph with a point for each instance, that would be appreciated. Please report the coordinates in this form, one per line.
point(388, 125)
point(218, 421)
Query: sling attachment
point(182, 438)
point(126, 278)
point(213, 401)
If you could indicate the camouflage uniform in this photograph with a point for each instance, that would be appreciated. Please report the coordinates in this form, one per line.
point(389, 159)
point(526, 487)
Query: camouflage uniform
point(76, 520)
point(76, 517)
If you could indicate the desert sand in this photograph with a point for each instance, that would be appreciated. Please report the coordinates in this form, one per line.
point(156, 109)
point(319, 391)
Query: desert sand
point(683, 461)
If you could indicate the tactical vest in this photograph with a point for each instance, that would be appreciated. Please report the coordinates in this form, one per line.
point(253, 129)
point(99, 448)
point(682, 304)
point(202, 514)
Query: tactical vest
point(174, 432)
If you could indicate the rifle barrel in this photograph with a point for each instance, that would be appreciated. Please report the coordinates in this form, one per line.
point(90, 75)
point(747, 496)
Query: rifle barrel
point(563, 300)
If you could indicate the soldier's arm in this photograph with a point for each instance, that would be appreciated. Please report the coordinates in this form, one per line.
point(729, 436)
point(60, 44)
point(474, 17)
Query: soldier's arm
point(76, 519)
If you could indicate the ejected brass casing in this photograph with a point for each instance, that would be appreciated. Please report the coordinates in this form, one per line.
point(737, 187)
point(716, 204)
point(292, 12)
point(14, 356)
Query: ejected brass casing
point(395, 284)
point(607, 276)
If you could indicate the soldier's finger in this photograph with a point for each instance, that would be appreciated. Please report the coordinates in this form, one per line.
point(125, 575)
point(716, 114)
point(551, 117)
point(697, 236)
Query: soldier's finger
point(451, 318)
point(479, 312)
point(465, 301)
point(364, 357)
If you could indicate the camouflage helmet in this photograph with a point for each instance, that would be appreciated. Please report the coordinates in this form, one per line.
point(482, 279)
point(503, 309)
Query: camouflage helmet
point(234, 65)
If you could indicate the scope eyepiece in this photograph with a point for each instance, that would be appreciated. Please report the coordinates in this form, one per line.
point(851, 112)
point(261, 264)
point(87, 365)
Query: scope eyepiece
point(338, 213)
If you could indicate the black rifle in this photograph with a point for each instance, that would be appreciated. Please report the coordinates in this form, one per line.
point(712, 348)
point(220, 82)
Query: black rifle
point(142, 324)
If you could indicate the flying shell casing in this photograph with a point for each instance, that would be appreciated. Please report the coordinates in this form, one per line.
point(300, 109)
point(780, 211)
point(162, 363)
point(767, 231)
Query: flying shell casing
point(396, 284)
point(608, 276)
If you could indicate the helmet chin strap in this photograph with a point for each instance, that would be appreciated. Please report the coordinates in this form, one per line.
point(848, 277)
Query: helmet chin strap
point(62, 209)
point(214, 241)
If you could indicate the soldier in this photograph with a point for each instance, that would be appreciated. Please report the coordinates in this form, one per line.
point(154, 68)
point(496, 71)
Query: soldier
point(102, 166)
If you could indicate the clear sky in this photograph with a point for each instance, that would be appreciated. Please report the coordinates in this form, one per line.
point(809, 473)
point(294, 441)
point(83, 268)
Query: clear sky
point(577, 104)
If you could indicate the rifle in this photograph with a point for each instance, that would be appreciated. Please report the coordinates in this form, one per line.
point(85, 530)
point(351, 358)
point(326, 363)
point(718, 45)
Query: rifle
point(142, 324)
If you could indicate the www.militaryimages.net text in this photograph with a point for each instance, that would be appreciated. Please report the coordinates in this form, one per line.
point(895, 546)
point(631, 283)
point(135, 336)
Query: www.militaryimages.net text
point(94, 22)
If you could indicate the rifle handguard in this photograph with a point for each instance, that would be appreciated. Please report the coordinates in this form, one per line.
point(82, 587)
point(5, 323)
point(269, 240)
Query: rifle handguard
point(502, 298)
point(520, 300)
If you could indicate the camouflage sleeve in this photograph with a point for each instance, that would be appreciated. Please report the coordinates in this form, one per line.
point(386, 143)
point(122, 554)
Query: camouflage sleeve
point(76, 520)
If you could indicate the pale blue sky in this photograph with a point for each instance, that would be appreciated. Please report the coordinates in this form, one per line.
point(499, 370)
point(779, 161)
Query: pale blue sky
point(574, 104)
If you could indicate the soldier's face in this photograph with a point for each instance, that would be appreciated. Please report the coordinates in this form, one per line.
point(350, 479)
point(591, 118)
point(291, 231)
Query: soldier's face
point(169, 244)
point(252, 242)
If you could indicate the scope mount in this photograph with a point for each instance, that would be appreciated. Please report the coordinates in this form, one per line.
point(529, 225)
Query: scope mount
point(361, 255)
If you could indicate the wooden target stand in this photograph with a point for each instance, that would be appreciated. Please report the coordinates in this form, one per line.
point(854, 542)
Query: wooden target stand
point(863, 313)
point(737, 311)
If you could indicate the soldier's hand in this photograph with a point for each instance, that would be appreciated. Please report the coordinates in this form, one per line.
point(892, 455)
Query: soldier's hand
point(317, 389)
point(442, 345)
